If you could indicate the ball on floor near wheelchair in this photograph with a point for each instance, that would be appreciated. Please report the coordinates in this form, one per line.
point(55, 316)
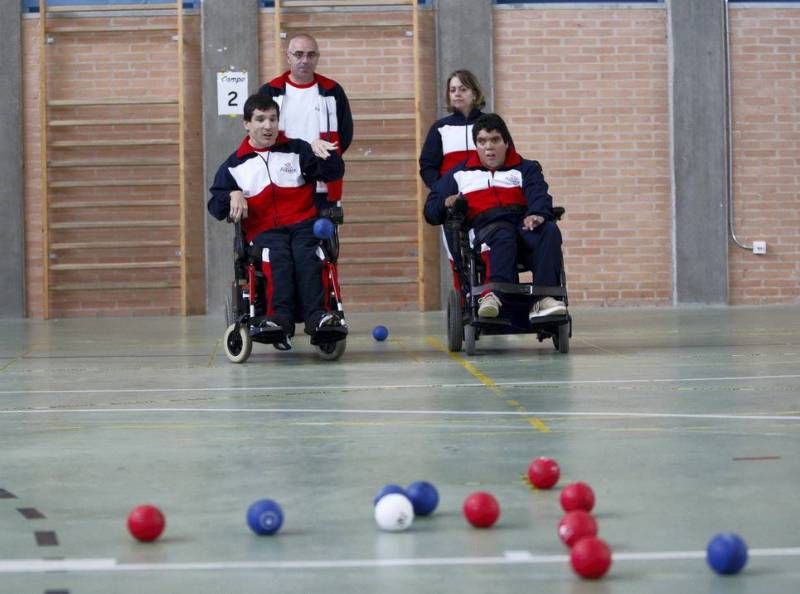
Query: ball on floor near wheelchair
point(246, 306)
point(514, 310)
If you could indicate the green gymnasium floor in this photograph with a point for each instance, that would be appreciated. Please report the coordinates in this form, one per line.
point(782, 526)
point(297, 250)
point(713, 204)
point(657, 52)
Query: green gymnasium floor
point(686, 422)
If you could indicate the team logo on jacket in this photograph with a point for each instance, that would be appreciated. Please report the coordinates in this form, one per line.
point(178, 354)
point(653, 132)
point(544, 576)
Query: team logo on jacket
point(510, 179)
point(288, 168)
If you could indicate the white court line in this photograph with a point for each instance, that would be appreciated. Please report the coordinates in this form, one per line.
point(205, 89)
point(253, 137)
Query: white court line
point(378, 411)
point(509, 558)
point(355, 388)
point(45, 565)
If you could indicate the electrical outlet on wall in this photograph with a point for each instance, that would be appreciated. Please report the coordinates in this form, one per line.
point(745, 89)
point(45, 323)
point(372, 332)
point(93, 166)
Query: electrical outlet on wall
point(759, 247)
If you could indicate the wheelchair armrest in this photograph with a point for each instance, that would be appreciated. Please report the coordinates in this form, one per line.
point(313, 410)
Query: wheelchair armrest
point(456, 217)
point(334, 213)
point(240, 250)
point(456, 222)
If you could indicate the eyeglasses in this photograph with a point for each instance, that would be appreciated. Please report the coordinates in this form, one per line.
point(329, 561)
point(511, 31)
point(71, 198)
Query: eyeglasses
point(299, 55)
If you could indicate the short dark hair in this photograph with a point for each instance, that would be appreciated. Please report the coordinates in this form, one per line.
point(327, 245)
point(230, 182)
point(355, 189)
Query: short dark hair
point(490, 122)
point(470, 81)
point(261, 102)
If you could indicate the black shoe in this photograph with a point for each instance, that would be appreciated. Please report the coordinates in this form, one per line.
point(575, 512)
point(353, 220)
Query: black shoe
point(271, 332)
point(329, 320)
point(264, 328)
point(330, 328)
point(283, 345)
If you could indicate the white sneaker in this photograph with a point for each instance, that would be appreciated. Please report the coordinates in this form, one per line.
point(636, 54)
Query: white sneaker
point(489, 306)
point(547, 306)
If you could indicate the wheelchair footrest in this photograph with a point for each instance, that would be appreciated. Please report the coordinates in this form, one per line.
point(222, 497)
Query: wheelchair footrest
point(491, 322)
point(328, 334)
point(556, 320)
point(267, 332)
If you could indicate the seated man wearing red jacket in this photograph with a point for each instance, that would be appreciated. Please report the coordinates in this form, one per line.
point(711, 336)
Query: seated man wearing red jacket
point(501, 187)
point(269, 187)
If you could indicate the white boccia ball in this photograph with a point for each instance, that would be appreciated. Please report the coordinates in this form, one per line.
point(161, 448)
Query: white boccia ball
point(394, 512)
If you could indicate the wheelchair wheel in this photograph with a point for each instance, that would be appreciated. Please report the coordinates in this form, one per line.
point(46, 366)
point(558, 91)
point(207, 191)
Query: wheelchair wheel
point(237, 343)
point(330, 351)
point(455, 322)
point(561, 338)
point(470, 335)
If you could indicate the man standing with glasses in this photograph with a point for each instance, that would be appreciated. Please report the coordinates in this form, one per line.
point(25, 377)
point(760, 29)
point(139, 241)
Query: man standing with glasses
point(312, 107)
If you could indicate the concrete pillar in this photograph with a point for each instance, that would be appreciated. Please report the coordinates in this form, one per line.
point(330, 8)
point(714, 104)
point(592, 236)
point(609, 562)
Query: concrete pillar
point(12, 221)
point(464, 39)
point(698, 91)
point(230, 43)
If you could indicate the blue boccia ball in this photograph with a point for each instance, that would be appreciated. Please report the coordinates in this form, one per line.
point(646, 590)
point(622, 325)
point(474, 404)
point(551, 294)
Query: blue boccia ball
point(380, 333)
point(424, 497)
point(726, 553)
point(323, 228)
point(265, 517)
point(386, 490)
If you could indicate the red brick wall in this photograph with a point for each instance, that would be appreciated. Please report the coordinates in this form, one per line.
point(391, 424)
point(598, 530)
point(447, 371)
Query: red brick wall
point(765, 50)
point(585, 93)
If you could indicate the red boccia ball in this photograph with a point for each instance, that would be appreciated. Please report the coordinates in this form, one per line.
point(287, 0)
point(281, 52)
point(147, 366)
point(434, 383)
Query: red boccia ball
point(481, 509)
point(590, 558)
point(543, 473)
point(146, 522)
point(577, 496)
point(576, 525)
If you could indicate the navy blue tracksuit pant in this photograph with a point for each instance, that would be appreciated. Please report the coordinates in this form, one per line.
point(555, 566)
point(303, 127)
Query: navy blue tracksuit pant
point(538, 250)
point(292, 262)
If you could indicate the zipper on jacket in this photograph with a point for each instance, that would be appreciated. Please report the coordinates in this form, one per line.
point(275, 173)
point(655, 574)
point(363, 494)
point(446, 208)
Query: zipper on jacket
point(272, 186)
point(490, 183)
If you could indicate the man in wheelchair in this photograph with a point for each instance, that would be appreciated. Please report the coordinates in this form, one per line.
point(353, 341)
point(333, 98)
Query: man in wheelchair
point(268, 185)
point(504, 199)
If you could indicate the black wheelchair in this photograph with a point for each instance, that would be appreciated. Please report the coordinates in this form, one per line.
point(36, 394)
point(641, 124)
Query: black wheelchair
point(465, 327)
point(246, 305)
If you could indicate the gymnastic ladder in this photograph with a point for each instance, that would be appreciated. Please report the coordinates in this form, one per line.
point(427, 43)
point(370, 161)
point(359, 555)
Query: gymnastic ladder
point(125, 234)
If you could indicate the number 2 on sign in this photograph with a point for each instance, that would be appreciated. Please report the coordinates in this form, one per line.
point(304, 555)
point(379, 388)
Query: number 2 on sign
point(231, 86)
